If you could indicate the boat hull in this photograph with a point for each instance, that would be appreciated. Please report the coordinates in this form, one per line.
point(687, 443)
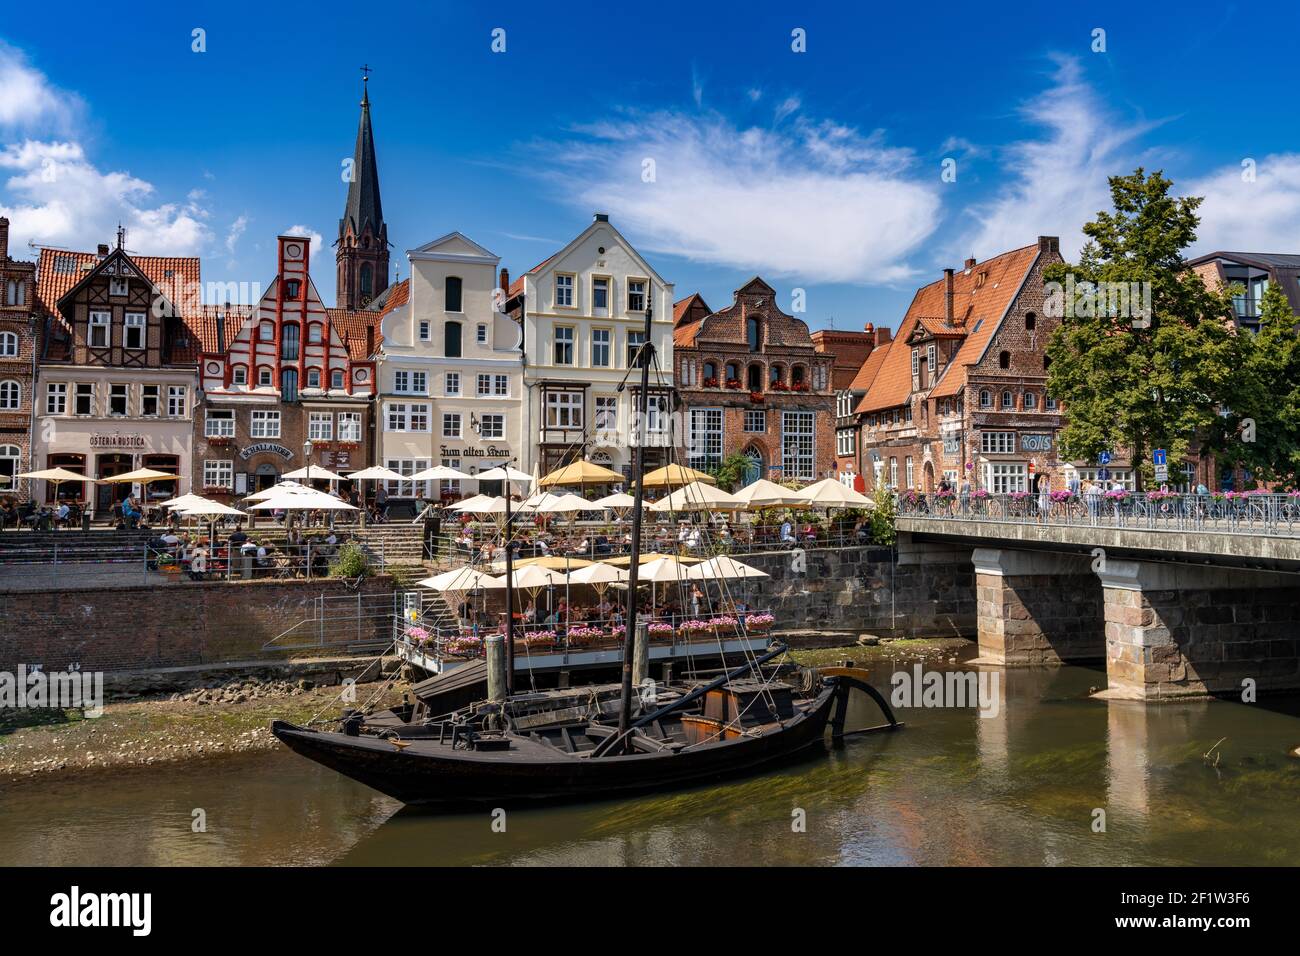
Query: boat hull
point(432, 775)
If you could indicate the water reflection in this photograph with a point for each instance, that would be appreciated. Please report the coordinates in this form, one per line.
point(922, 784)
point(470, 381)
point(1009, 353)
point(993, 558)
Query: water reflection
point(1019, 787)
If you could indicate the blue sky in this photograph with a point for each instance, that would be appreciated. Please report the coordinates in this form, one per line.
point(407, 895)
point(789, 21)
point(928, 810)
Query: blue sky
point(819, 170)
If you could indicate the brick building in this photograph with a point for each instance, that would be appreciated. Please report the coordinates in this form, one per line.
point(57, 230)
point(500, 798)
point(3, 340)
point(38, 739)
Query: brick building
point(848, 457)
point(277, 374)
point(753, 382)
point(961, 392)
point(849, 350)
point(18, 345)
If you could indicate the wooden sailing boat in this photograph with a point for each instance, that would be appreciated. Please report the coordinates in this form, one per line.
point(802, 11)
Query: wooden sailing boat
point(590, 742)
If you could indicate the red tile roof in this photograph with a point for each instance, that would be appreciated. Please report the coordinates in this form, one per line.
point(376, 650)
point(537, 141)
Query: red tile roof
point(398, 296)
point(981, 296)
point(205, 325)
point(870, 369)
point(517, 286)
point(352, 326)
point(58, 270)
point(684, 328)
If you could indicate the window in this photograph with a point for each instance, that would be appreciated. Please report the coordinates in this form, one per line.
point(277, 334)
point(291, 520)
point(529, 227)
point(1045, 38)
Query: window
point(636, 295)
point(315, 333)
point(149, 400)
point(986, 398)
point(755, 420)
point(8, 345)
point(451, 383)
point(704, 438)
point(425, 331)
point(710, 371)
point(292, 288)
point(600, 293)
point(797, 445)
point(484, 387)
point(775, 374)
point(218, 474)
point(411, 383)
point(367, 280)
point(1031, 401)
point(350, 426)
point(751, 334)
point(893, 472)
point(404, 417)
point(117, 286)
point(320, 426)
point(564, 409)
point(85, 398)
point(451, 425)
point(99, 323)
point(264, 425)
point(56, 398)
point(797, 375)
point(1008, 400)
point(600, 339)
point(117, 399)
point(266, 332)
point(844, 442)
point(1049, 403)
point(501, 386)
point(563, 345)
point(219, 423)
point(14, 294)
point(1004, 360)
point(493, 426)
point(916, 362)
point(336, 378)
point(754, 378)
point(288, 385)
point(313, 377)
point(564, 291)
point(263, 376)
point(10, 463)
point(997, 443)
point(452, 295)
point(634, 342)
point(289, 342)
point(733, 372)
point(911, 479)
point(606, 413)
point(1031, 320)
point(480, 335)
point(451, 340)
point(239, 375)
point(1003, 478)
point(11, 395)
point(409, 466)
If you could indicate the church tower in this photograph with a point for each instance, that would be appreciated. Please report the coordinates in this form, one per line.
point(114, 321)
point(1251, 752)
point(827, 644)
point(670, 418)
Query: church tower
point(362, 247)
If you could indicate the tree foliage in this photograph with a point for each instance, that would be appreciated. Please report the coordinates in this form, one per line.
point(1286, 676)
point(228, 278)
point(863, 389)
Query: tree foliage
point(1266, 422)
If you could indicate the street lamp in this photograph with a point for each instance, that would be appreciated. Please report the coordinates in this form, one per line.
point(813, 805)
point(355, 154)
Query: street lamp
point(306, 454)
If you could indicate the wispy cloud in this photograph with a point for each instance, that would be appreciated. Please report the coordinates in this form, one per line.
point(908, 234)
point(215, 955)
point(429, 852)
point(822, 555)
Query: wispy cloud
point(236, 230)
point(1250, 213)
point(816, 200)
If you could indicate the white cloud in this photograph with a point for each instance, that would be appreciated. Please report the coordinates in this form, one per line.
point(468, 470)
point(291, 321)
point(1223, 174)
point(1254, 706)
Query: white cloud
point(57, 196)
point(816, 201)
point(1243, 216)
point(317, 240)
point(236, 230)
point(1059, 182)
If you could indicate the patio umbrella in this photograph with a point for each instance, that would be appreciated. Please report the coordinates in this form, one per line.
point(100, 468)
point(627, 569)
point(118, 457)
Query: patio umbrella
point(461, 579)
point(276, 489)
point(534, 501)
point(580, 473)
point(768, 494)
point(617, 502)
point(302, 501)
point(625, 560)
point(481, 505)
point(599, 575)
point(56, 475)
point(555, 562)
point(696, 496)
point(209, 509)
point(569, 503)
point(377, 473)
point(676, 476)
point(829, 493)
point(316, 473)
point(723, 567)
point(439, 473)
point(183, 500)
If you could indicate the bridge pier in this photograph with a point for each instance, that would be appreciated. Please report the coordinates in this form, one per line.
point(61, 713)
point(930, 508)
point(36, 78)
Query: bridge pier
point(1036, 607)
point(1186, 631)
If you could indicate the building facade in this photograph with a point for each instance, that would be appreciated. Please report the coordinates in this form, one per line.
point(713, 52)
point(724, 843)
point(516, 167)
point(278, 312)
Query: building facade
point(848, 448)
point(754, 383)
point(961, 393)
point(18, 350)
point(286, 372)
point(583, 314)
point(450, 370)
point(118, 371)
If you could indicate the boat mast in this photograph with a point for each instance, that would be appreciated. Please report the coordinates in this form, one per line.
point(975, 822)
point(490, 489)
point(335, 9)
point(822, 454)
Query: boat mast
point(645, 356)
point(510, 590)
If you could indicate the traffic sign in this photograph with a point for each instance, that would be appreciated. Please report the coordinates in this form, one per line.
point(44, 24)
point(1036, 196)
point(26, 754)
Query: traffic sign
point(1158, 457)
point(1162, 472)
point(1104, 458)
point(1103, 474)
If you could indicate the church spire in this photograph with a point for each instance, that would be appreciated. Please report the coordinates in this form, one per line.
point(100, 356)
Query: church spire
point(363, 235)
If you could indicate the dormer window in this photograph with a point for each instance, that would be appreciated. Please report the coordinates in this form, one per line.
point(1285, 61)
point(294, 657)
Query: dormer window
point(117, 286)
point(292, 288)
point(313, 378)
point(239, 375)
point(336, 378)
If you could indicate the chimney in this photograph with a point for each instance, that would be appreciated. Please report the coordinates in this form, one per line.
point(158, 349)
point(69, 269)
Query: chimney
point(1049, 244)
point(947, 296)
point(4, 238)
point(505, 281)
point(868, 328)
point(970, 263)
point(883, 335)
point(102, 250)
point(601, 217)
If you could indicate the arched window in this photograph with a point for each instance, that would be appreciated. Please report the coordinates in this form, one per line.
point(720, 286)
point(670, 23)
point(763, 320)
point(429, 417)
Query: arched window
point(8, 344)
point(1031, 320)
point(451, 340)
point(10, 459)
point(289, 341)
point(313, 377)
point(336, 378)
point(239, 375)
point(776, 374)
point(266, 331)
point(453, 294)
point(1047, 362)
point(733, 372)
point(264, 375)
point(1008, 401)
point(986, 398)
point(751, 334)
point(11, 395)
point(754, 377)
point(797, 375)
point(1031, 401)
point(1004, 360)
point(710, 371)
point(367, 280)
point(315, 332)
point(289, 385)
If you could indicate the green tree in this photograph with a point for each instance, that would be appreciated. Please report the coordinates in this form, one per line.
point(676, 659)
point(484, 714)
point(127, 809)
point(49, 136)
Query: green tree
point(1135, 381)
point(882, 517)
point(1267, 420)
point(731, 472)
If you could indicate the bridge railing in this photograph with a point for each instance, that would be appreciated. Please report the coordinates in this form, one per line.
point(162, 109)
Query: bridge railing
point(1232, 512)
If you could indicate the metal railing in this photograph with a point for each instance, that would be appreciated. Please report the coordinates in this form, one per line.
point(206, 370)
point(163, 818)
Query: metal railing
point(1235, 513)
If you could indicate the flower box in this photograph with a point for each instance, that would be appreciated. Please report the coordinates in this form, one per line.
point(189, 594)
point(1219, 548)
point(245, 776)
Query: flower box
point(734, 384)
point(800, 387)
point(710, 383)
point(759, 622)
point(756, 397)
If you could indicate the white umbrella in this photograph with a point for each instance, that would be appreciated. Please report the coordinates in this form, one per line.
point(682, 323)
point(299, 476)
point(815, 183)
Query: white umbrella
point(438, 473)
point(374, 473)
point(534, 501)
point(829, 493)
point(302, 501)
point(277, 489)
point(696, 496)
point(481, 505)
point(504, 473)
point(723, 567)
point(662, 570)
point(316, 473)
point(184, 500)
point(598, 575)
point(535, 577)
point(566, 503)
point(617, 501)
point(208, 508)
point(767, 494)
point(461, 579)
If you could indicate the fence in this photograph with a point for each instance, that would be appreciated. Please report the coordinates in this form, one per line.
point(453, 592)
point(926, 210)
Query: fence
point(1237, 513)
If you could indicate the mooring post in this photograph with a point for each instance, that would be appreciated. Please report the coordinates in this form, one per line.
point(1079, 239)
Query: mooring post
point(496, 661)
point(641, 654)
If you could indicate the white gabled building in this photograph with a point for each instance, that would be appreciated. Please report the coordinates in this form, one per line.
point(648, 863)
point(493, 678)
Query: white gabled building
point(583, 314)
point(450, 369)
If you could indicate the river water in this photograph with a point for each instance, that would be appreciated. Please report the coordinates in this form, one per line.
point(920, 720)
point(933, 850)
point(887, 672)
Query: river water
point(1021, 787)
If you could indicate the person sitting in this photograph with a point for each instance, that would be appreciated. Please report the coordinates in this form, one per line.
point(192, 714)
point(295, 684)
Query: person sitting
point(199, 562)
point(130, 516)
point(8, 513)
point(787, 532)
point(530, 613)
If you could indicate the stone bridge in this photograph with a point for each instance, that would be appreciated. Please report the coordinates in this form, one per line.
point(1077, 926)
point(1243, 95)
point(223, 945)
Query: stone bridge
point(1175, 608)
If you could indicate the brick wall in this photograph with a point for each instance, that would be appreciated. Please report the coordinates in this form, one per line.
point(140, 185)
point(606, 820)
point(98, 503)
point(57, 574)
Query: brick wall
point(16, 318)
point(163, 626)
